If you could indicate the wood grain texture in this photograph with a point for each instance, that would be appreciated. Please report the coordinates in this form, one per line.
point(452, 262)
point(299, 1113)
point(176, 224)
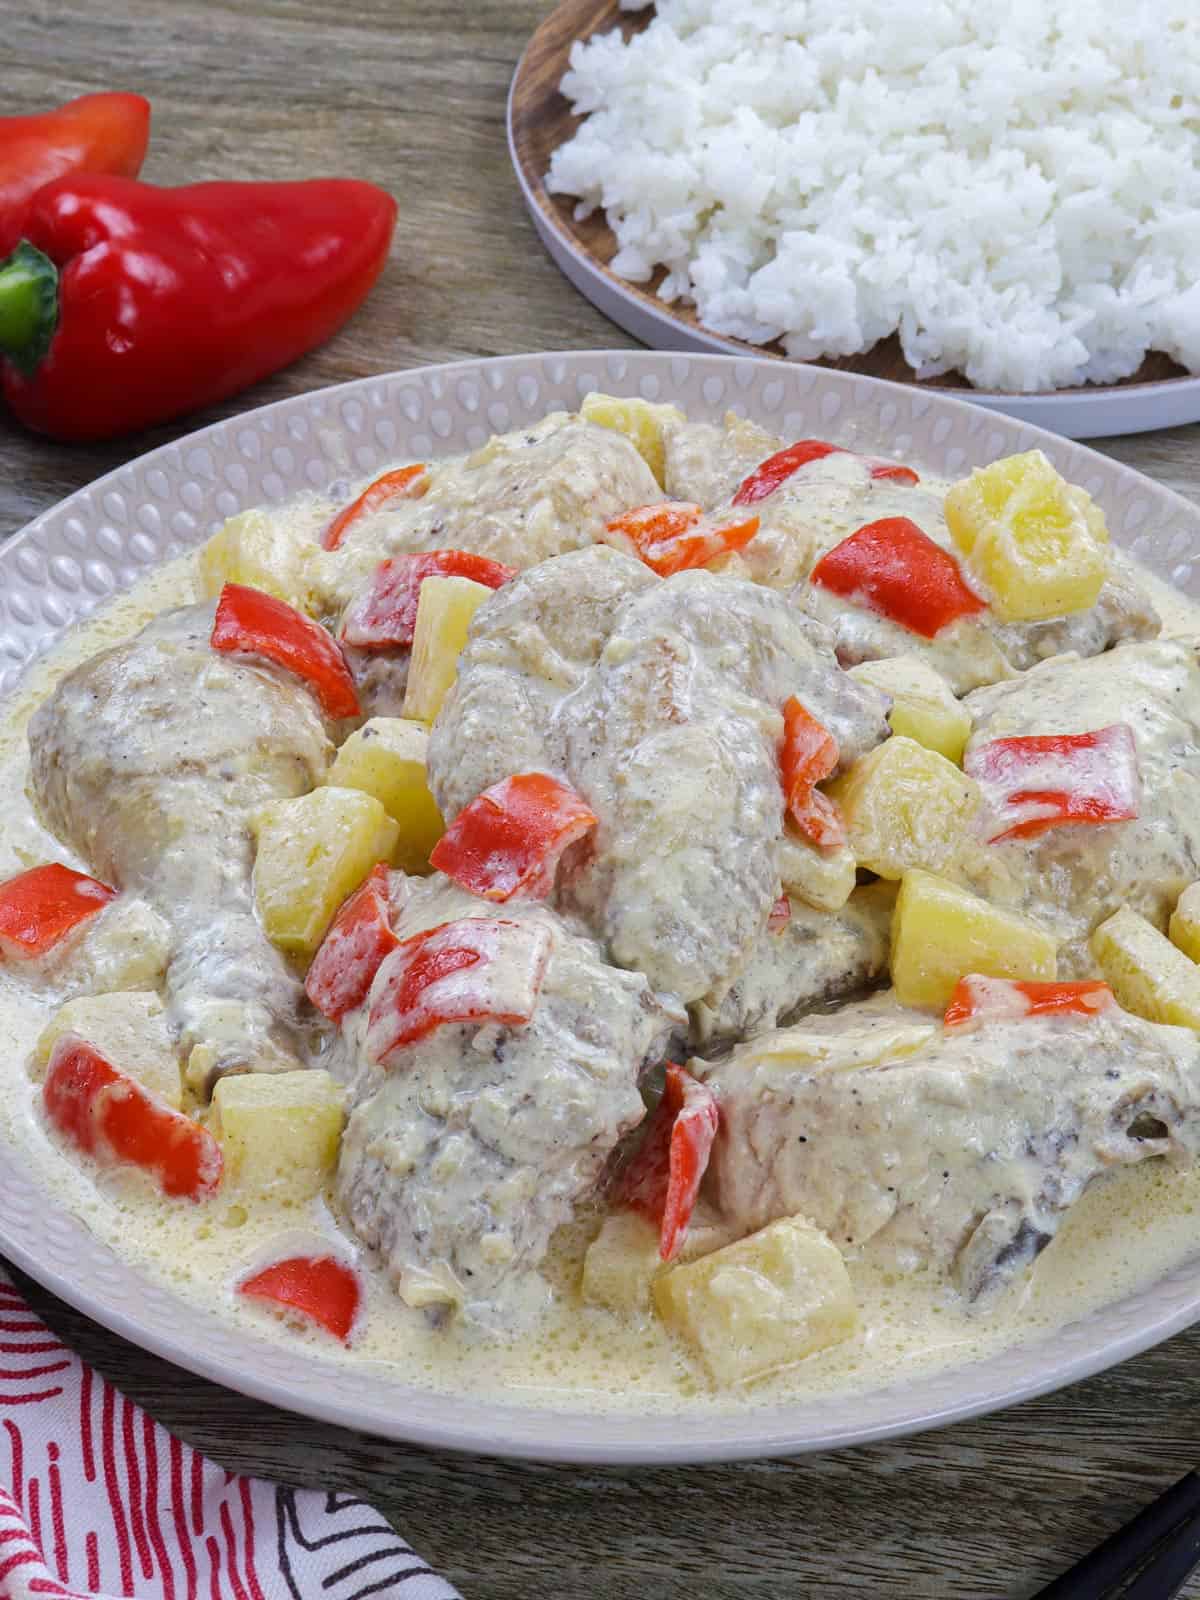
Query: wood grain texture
point(541, 119)
point(411, 93)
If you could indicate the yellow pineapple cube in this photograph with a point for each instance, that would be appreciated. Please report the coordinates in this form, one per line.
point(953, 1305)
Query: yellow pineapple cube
point(259, 549)
point(941, 932)
point(623, 1258)
point(129, 1029)
point(279, 1131)
point(444, 612)
point(823, 879)
point(386, 758)
point(905, 806)
point(1184, 927)
point(312, 853)
point(1036, 541)
point(1145, 971)
point(762, 1304)
point(924, 707)
point(641, 421)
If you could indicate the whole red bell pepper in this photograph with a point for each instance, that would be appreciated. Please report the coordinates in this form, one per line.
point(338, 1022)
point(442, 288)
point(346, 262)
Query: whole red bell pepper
point(95, 133)
point(126, 305)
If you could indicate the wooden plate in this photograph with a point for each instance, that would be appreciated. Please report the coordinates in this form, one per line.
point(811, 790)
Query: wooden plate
point(1160, 394)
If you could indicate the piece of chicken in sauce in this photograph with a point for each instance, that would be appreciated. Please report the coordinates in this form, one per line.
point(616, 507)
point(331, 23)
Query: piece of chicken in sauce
point(959, 1148)
point(659, 700)
point(149, 760)
point(468, 1146)
point(1119, 736)
point(831, 495)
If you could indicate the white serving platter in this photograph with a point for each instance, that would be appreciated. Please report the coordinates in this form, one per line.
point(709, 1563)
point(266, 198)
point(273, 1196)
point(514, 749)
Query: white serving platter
point(104, 538)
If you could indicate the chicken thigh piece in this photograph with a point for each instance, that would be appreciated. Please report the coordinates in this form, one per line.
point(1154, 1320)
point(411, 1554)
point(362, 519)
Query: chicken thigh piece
point(463, 1155)
point(149, 760)
point(959, 1149)
point(519, 499)
point(828, 499)
point(1071, 877)
point(660, 701)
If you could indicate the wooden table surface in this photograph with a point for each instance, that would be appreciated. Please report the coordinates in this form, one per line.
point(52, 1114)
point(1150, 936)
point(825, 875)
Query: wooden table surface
point(411, 93)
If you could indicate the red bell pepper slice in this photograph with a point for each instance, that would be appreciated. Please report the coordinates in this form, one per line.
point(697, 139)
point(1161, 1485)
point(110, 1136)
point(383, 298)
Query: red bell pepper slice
point(108, 1114)
point(475, 970)
point(777, 469)
point(385, 615)
point(126, 305)
point(809, 753)
point(668, 537)
point(94, 133)
point(893, 568)
point(663, 1179)
point(322, 1289)
point(251, 623)
point(404, 483)
point(980, 999)
point(509, 840)
point(1033, 783)
point(39, 908)
point(780, 915)
point(352, 952)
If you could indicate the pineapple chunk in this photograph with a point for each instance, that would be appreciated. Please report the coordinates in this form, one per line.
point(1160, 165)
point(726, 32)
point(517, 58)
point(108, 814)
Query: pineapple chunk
point(129, 1029)
point(260, 550)
point(822, 879)
point(312, 853)
point(386, 758)
point(623, 1259)
point(923, 704)
point(1036, 541)
point(279, 1131)
point(941, 932)
point(444, 613)
point(641, 422)
point(761, 1304)
point(905, 806)
point(1185, 923)
point(1145, 971)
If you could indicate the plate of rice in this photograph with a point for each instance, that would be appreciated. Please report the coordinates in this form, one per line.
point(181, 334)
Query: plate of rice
point(1005, 204)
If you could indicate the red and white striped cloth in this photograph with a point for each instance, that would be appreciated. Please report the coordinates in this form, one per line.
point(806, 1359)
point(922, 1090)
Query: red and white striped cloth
point(97, 1502)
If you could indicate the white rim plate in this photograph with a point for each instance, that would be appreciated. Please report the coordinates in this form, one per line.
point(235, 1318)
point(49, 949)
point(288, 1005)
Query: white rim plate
point(102, 539)
point(1099, 412)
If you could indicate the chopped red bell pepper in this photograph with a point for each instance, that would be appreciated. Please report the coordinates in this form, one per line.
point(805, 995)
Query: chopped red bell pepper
point(39, 908)
point(479, 969)
point(663, 1179)
point(94, 133)
point(352, 952)
point(809, 753)
point(893, 568)
point(108, 1114)
point(126, 305)
point(777, 469)
point(980, 999)
point(384, 616)
point(405, 483)
point(509, 840)
point(669, 537)
point(251, 623)
point(322, 1289)
point(1042, 781)
point(780, 915)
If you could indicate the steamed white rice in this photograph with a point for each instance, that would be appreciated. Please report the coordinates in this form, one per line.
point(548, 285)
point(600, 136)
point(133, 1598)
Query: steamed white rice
point(1014, 188)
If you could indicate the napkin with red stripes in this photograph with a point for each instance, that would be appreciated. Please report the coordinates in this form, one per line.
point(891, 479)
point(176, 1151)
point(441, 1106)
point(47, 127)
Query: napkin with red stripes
point(97, 1502)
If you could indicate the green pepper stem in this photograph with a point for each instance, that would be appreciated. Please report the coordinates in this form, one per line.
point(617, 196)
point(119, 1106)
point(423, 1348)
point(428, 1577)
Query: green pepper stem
point(28, 306)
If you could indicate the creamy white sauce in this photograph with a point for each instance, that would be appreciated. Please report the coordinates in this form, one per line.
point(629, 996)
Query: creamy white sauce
point(1127, 1231)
